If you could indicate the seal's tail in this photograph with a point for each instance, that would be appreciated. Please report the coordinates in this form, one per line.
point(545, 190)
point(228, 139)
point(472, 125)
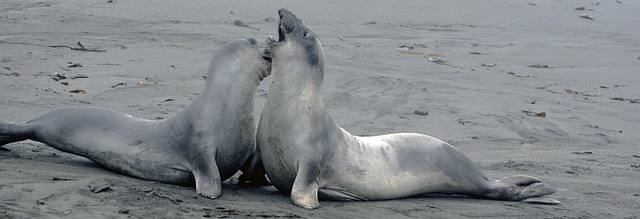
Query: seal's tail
point(12, 132)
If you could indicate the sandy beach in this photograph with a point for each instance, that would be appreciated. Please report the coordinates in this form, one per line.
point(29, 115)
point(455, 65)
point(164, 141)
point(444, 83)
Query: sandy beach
point(549, 89)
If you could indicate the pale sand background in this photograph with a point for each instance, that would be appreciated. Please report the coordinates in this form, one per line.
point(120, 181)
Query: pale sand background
point(586, 146)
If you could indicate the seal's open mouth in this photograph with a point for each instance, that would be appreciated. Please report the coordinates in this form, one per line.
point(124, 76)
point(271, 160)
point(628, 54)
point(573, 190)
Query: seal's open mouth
point(287, 23)
point(266, 55)
point(280, 33)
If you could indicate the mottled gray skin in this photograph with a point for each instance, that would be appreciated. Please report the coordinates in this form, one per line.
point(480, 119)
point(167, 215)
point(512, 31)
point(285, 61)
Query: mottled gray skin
point(208, 141)
point(307, 155)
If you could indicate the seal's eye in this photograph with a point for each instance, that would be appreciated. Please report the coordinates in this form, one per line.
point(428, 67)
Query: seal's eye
point(306, 35)
point(252, 41)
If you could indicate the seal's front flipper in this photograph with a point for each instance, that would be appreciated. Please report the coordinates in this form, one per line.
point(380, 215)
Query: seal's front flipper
point(305, 188)
point(207, 177)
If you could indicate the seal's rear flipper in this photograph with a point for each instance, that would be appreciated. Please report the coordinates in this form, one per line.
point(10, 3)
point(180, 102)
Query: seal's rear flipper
point(542, 201)
point(517, 188)
point(13, 132)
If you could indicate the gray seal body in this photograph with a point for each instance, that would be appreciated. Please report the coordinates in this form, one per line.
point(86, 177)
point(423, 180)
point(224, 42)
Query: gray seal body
point(205, 143)
point(307, 155)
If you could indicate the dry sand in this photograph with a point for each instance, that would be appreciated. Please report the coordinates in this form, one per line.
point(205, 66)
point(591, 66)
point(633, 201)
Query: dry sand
point(503, 62)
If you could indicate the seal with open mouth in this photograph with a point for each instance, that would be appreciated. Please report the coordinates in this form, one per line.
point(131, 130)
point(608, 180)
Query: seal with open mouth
point(307, 155)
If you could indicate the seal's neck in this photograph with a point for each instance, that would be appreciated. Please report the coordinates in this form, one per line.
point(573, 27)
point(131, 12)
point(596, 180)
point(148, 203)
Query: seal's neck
point(294, 104)
point(296, 82)
point(229, 91)
point(296, 89)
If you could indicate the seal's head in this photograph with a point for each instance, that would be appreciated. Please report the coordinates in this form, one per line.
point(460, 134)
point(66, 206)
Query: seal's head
point(247, 54)
point(295, 42)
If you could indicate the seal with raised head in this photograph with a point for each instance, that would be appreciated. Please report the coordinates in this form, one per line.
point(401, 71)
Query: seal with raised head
point(307, 155)
point(207, 142)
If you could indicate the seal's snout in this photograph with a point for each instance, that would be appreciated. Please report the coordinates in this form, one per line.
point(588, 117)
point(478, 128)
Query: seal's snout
point(266, 55)
point(287, 22)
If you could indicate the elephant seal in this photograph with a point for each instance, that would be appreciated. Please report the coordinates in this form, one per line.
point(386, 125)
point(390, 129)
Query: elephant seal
point(307, 155)
point(207, 142)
